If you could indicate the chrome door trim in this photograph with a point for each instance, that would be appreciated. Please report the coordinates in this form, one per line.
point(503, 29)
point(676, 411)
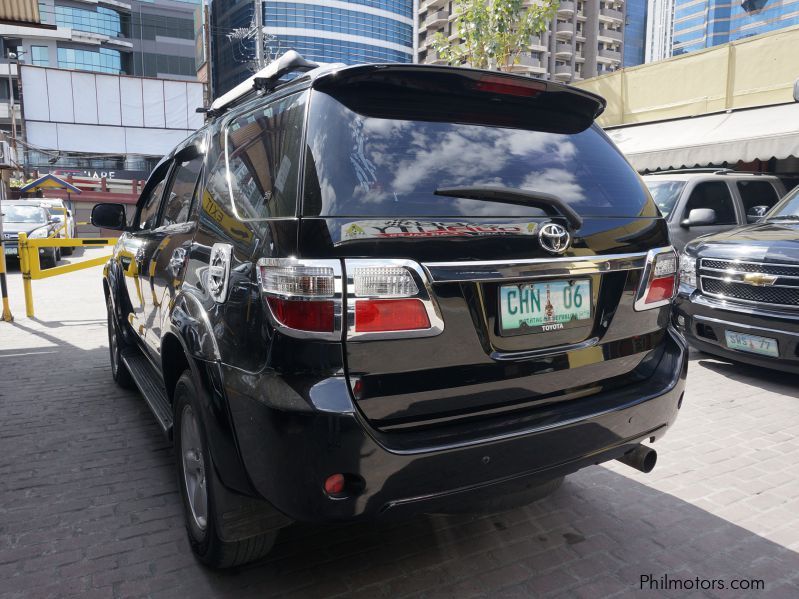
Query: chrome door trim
point(508, 270)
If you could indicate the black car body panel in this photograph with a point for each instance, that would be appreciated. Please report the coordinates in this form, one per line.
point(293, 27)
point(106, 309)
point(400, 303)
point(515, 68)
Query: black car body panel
point(416, 419)
point(740, 290)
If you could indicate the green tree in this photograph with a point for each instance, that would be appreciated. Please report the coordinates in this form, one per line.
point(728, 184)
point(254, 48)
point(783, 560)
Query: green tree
point(493, 33)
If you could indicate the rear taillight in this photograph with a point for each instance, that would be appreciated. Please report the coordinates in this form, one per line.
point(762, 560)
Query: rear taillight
point(658, 281)
point(383, 299)
point(304, 296)
point(389, 299)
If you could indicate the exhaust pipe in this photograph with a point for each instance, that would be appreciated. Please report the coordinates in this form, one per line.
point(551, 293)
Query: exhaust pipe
point(641, 458)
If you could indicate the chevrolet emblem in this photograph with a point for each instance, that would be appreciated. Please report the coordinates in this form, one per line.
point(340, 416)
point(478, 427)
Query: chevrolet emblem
point(759, 279)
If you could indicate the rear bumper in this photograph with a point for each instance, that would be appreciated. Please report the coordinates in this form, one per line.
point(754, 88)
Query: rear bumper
point(289, 453)
point(704, 318)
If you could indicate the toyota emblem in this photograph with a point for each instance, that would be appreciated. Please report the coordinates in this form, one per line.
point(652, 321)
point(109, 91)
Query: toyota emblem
point(554, 238)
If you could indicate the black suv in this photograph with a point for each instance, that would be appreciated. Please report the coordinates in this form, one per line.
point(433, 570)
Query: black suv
point(739, 290)
point(380, 290)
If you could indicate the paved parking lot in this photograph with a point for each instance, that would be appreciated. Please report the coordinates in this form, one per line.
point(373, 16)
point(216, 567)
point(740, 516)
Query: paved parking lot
point(89, 503)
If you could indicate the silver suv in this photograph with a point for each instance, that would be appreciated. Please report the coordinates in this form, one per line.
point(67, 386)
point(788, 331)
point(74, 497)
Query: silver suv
point(700, 201)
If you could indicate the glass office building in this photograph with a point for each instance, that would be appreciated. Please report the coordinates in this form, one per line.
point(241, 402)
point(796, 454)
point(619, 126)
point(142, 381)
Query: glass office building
point(704, 23)
point(634, 33)
point(347, 31)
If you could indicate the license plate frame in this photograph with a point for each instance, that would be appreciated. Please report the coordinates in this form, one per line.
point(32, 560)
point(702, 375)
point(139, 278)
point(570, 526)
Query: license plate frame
point(752, 344)
point(542, 324)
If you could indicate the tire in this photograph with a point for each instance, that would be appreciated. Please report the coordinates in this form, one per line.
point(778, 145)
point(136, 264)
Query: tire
point(57, 255)
point(67, 251)
point(530, 493)
point(116, 343)
point(197, 480)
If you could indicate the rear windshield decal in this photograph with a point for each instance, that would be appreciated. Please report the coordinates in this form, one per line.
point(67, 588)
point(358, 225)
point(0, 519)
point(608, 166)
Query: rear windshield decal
point(409, 228)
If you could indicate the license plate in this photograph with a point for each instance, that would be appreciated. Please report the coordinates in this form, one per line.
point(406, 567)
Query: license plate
point(754, 344)
point(11, 251)
point(544, 306)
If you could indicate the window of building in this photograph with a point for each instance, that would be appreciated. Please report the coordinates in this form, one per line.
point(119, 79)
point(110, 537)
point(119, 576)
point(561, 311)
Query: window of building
point(179, 200)
point(102, 61)
point(716, 196)
point(101, 20)
point(40, 56)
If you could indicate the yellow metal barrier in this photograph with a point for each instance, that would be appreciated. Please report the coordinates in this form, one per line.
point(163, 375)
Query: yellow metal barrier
point(31, 269)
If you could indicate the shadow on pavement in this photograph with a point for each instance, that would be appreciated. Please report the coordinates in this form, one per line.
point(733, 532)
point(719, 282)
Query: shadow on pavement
point(766, 378)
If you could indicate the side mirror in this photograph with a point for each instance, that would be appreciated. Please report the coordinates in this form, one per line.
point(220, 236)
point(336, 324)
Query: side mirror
point(699, 217)
point(109, 216)
point(755, 213)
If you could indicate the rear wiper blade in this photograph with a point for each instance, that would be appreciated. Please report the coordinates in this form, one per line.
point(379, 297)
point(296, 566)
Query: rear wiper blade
point(551, 204)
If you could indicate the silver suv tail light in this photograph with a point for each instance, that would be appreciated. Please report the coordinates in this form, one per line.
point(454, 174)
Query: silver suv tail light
point(658, 281)
point(383, 299)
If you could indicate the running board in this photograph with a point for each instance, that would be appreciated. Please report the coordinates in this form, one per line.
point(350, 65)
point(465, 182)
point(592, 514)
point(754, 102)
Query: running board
point(149, 383)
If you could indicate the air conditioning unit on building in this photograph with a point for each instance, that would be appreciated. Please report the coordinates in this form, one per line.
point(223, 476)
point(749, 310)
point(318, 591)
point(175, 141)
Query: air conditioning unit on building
point(7, 158)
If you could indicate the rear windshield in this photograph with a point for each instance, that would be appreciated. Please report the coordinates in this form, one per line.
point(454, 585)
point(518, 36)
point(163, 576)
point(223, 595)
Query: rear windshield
point(366, 166)
point(665, 194)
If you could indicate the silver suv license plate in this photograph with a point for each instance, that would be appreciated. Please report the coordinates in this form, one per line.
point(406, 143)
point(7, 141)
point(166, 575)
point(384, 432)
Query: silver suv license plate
point(544, 306)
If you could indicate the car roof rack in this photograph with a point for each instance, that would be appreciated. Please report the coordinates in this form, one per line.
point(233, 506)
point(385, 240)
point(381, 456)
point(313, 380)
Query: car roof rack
point(263, 81)
point(715, 171)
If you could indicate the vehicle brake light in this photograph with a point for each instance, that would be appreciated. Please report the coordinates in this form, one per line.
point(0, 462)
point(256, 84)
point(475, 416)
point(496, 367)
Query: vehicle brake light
point(304, 296)
point(659, 280)
point(381, 315)
point(389, 299)
point(508, 87)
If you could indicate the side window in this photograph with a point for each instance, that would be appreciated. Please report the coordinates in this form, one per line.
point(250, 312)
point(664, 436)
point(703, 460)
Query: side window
point(179, 200)
point(148, 216)
point(757, 193)
point(263, 152)
point(714, 195)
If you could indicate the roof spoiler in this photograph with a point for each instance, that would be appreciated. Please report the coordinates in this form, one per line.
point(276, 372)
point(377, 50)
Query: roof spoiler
point(458, 94)
point(263, 80)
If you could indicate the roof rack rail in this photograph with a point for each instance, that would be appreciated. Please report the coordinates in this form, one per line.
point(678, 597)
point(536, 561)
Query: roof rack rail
point(715, 170)
point(264, 80)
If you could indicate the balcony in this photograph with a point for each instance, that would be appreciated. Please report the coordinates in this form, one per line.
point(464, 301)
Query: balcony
point(566, 8)
point(611, 13)
point(436, 19)
point(563, 50)
point(563, 72)
point(610, 54)
point(431, 5)
point(537, 44)
point(527, 64)
point(612, 34)
point(564, 29)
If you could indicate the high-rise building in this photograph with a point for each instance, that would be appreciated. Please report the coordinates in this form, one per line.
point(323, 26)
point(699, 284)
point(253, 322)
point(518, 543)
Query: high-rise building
point(146, 38)
point(152, 38)
point(347, 31)
point(704, 23)
point(585, 39)
point(658, 30)
point(635, 33)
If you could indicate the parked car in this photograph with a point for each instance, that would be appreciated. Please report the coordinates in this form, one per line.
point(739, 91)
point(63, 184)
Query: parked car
point(60, 212)
point(380, 290)
point(702, 201)
point(739, 290)
point(31, 218)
